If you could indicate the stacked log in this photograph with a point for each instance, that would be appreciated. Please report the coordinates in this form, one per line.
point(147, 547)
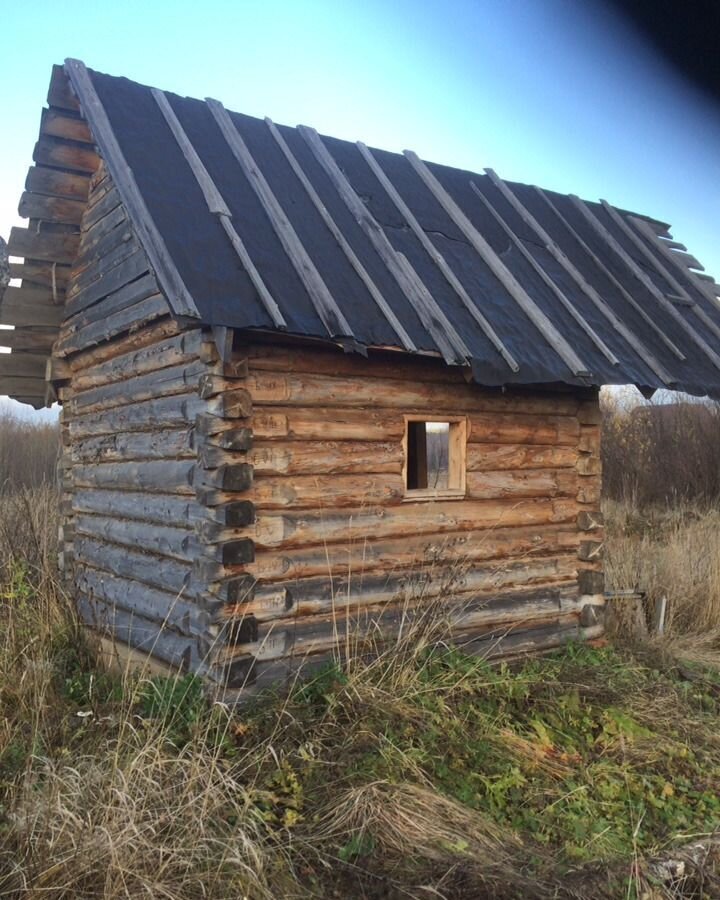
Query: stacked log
point(338, 548)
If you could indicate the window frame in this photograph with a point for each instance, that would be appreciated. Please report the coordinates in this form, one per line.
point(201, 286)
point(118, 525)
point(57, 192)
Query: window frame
point(457, 459)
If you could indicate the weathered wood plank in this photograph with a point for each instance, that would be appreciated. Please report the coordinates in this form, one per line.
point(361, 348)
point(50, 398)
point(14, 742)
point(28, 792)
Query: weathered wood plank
point(157, 444)
point(517, 483)
point(57, 209)
point(320, 361)
point(325, 390)
point(59, 124)
point(167, 412)
point(489, 457)
point(327, 491)
point(102, 202)
point(162, 509)
point(319, 423)
point(168, 574)
point(162, 540)
point(177, 650)
point(105, 240)
point(373, 625)
point(60, 248)
point(172, 351)
point(153, 243)
point(293, 529)
point(65, 155)
point(29, 306)
point(326, 457)
point(27, 339)
point(130, 318)
point(428, 575)
point(172, 380)
point(60, 93)
point(166, 609)
point(54, 183)
point(23, 365)
point(126, 264)
point(162, 476)
point(126, 343)
point(44, 274)
point(24, 387)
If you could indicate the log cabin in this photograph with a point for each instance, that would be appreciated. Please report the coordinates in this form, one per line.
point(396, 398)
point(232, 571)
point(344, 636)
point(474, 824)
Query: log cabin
point(310, 388)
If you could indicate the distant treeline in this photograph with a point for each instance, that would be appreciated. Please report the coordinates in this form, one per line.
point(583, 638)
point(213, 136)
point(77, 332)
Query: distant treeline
point(28, 453)
point(661, 453)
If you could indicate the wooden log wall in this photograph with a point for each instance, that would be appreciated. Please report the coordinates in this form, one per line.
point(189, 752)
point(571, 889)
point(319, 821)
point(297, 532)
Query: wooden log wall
point(335, 546)
point(128, 377)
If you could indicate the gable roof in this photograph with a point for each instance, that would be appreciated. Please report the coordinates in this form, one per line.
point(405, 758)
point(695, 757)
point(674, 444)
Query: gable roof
point(251, 225)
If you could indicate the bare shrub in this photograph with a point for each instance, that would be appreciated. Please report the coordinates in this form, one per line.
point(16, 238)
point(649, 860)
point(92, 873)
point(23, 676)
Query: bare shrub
point(661, 453)
point(28, 453)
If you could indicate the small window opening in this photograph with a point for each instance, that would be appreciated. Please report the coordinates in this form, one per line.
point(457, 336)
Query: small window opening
point(435, 457)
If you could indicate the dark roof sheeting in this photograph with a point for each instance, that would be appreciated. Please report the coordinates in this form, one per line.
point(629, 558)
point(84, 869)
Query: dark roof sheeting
point(526, 286)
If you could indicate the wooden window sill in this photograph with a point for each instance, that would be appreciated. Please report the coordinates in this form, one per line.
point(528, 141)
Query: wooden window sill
point(421, 494)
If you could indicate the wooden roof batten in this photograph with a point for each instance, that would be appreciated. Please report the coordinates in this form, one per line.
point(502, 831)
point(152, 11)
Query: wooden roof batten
point(647, 318)
point(666, 273)
point(216, 204)
point(337, 234)
point(320, 296)
point(589, 291)
point(699, 280)
point(437, 257)
point(451, 345)
point(545, 278)
point(556, 341)
point(645, 280)
point(175, 290)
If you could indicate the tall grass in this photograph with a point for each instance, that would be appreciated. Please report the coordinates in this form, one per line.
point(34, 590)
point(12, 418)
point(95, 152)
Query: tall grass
point(28, 453)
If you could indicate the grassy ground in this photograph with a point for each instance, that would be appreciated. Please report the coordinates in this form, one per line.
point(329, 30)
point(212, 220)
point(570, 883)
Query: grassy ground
point(421, 773)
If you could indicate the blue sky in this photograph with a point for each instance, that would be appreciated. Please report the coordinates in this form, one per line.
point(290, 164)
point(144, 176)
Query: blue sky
point(551, 92)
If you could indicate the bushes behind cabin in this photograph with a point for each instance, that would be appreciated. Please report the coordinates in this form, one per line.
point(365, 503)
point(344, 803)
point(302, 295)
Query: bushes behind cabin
point(661, 453)
point(28, 453)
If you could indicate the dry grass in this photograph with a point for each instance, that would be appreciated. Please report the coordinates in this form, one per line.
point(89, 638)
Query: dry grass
point(28, 453)
point(673, 553)
point(403, 774)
